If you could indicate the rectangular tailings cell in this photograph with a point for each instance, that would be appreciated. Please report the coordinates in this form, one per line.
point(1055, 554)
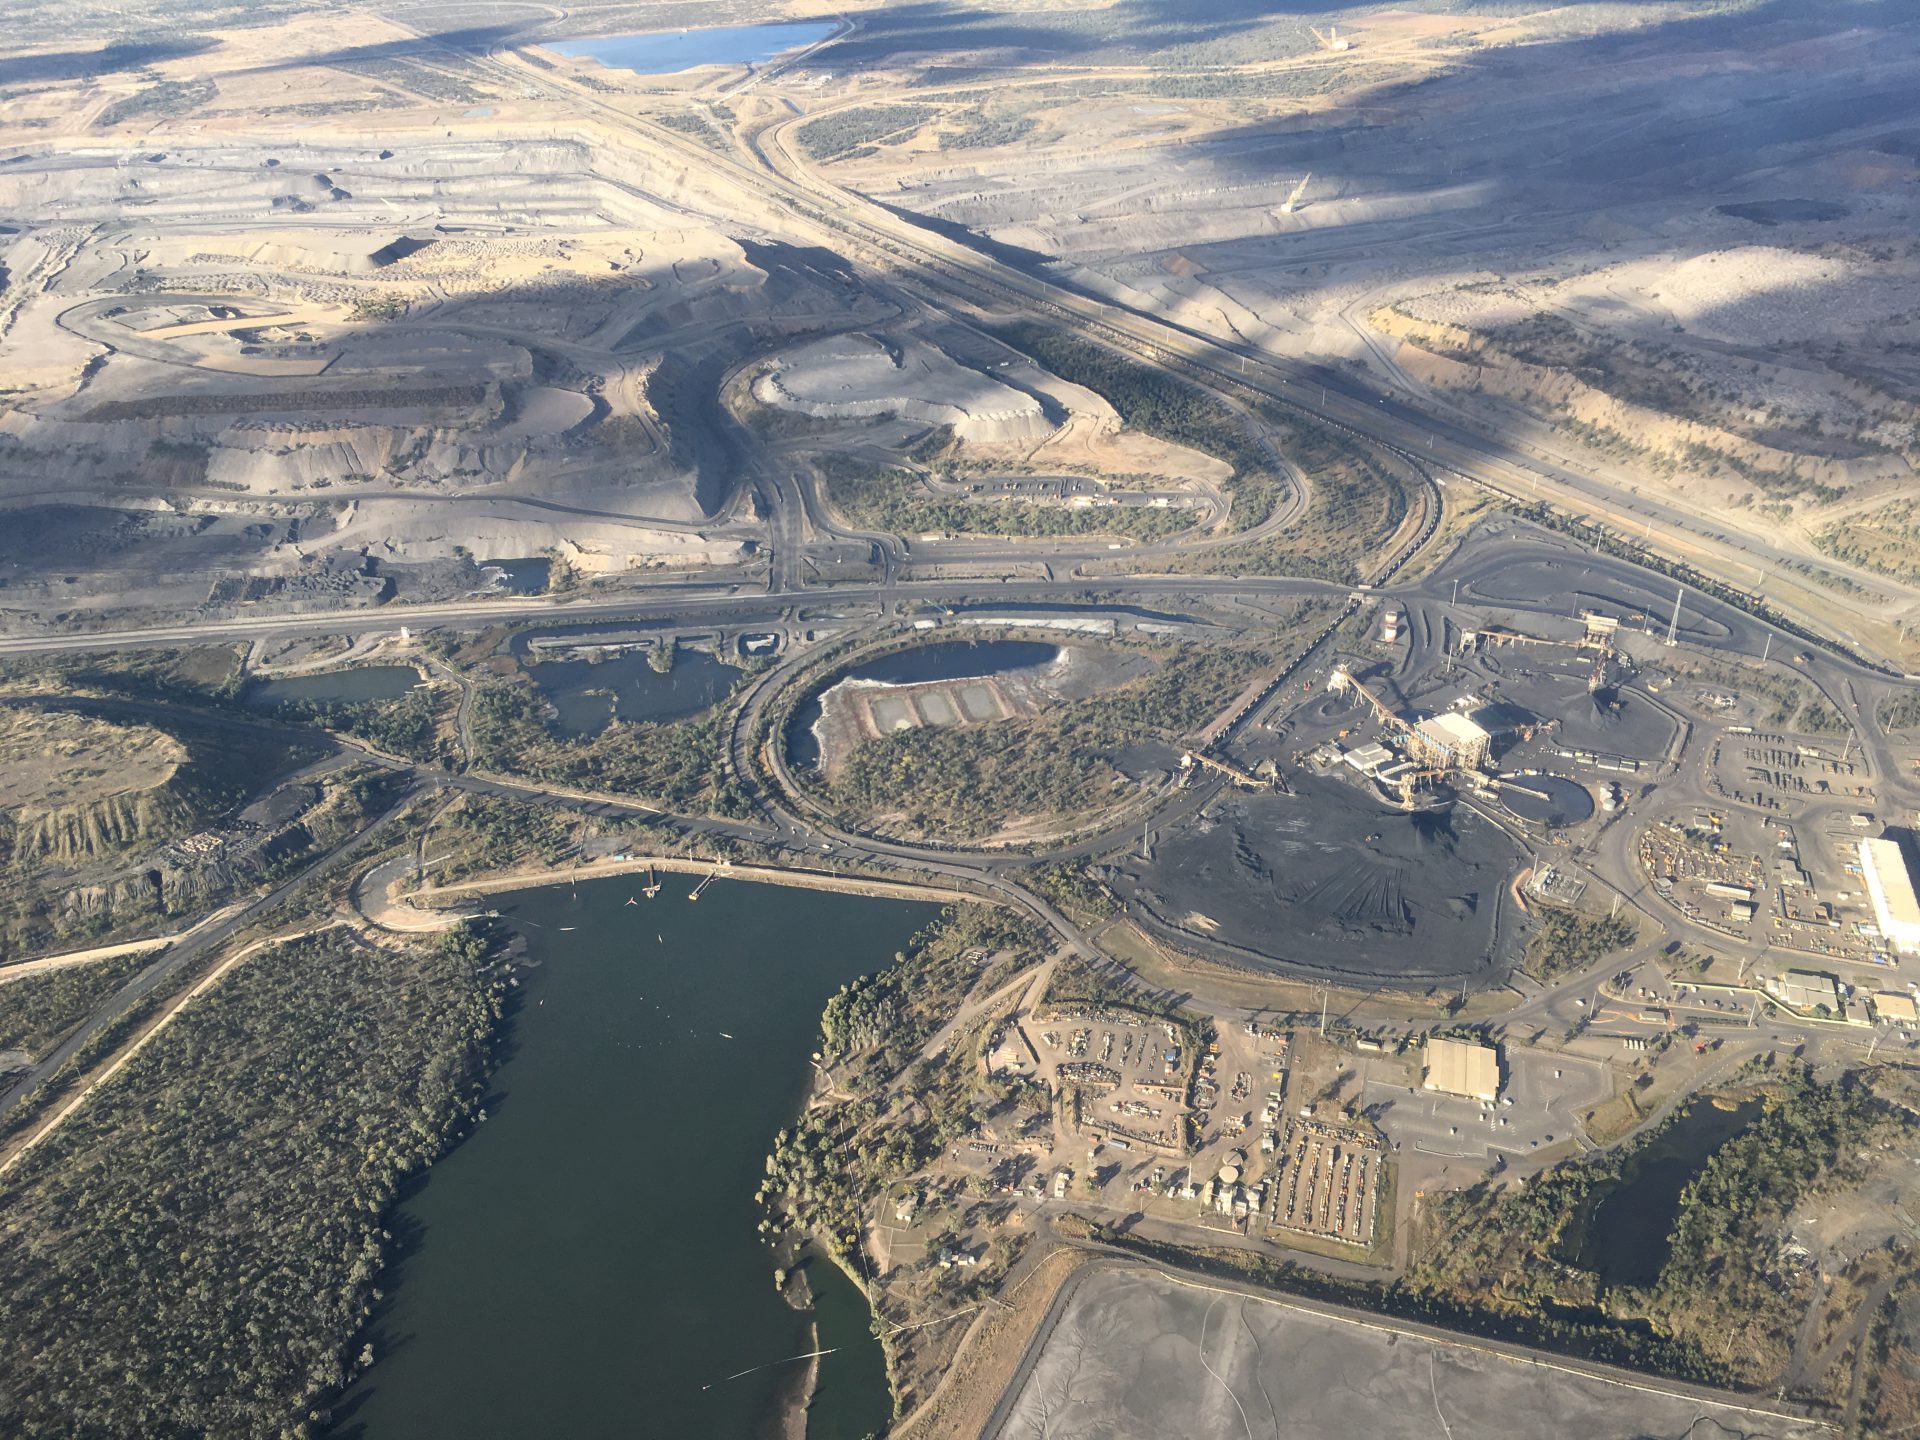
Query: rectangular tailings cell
point(891, 714)
point(979, 703)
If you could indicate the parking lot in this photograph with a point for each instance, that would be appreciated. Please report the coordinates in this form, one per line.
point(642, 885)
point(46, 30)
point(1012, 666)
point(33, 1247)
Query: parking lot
point(1781, 772)
point(1541, 1097)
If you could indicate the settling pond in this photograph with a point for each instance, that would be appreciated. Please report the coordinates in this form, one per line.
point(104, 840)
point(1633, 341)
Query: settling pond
point(586, 695)
point(1626, 1240)
point(665, 52)
point(585, 1264)
point(520, 577)
point(337, 687)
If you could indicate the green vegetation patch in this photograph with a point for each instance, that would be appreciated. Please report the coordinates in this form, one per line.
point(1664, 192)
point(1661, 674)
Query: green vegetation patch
point(497, 834)
point(405, 725)
point(1158, 404)
point(980, 131)
point(169, 97)
point(1356, 502)
point(892, 1113)
point(1901, 712)
point(1567, 943)
point(676, 764)
point(37, 1012)
point(1355, 506)
point(873, 498)
point(1785, 701)
point(876, 1023)
point(194, 1251)
point(852, 133)
point(1509, 1255)
point(1078, 984)
point(1073, 890)
point(1655, 377)
point(1287, 84)
point(194, 676)
point(698, 126)
point(1885, 541)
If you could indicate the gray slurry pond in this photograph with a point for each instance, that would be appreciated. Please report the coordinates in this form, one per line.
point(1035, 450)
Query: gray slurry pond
point(1136, 1355)
point(337, 687)
point(665, 52)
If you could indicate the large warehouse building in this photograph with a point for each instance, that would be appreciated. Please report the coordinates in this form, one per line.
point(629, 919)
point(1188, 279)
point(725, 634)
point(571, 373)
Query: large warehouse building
point(1460, 1067)
point(1890, 886)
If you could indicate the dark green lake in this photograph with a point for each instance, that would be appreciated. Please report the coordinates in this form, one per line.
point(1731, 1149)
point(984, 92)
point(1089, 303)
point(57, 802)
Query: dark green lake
point(585, 1264)
point(1627, 1238)
point(343, 687)
point(587, 695)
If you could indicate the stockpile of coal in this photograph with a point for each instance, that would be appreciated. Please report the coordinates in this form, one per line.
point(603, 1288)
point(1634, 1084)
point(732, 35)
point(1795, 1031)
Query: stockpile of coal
point(1329, 882)
point(1608, 721)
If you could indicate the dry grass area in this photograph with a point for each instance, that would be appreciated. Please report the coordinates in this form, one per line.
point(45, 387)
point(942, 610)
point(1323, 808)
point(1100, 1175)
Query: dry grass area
point(961, 1405)
point(1091, 444)
point(75, 787)
point(1744, 430)
point(1884, 540)
point(51, 759)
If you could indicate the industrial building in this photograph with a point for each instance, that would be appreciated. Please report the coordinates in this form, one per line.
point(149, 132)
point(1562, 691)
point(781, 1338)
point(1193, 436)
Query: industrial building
point(1895, 1008)
point(1462, 1067)
point(1890, 885)
point(1369, 759)
point(1450, 741)
point(1807, 990)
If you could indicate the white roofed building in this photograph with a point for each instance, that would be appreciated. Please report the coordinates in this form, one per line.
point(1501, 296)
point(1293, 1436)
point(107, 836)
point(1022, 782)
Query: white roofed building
point(1450, 739)
point(1462, 1067)
point(1890, 886)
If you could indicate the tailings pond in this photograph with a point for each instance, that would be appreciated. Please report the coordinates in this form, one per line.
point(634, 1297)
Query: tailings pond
point(921, 665)
point(337, 687)
point(665, 52)
point(585, 1264)
point(955, 660)
point(520, 577)
point(1626, 1242)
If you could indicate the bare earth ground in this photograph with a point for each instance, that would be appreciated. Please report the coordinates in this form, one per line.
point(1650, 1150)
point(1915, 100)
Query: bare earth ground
point(990, 1355)
point(1502, 171)
point(50, 760)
